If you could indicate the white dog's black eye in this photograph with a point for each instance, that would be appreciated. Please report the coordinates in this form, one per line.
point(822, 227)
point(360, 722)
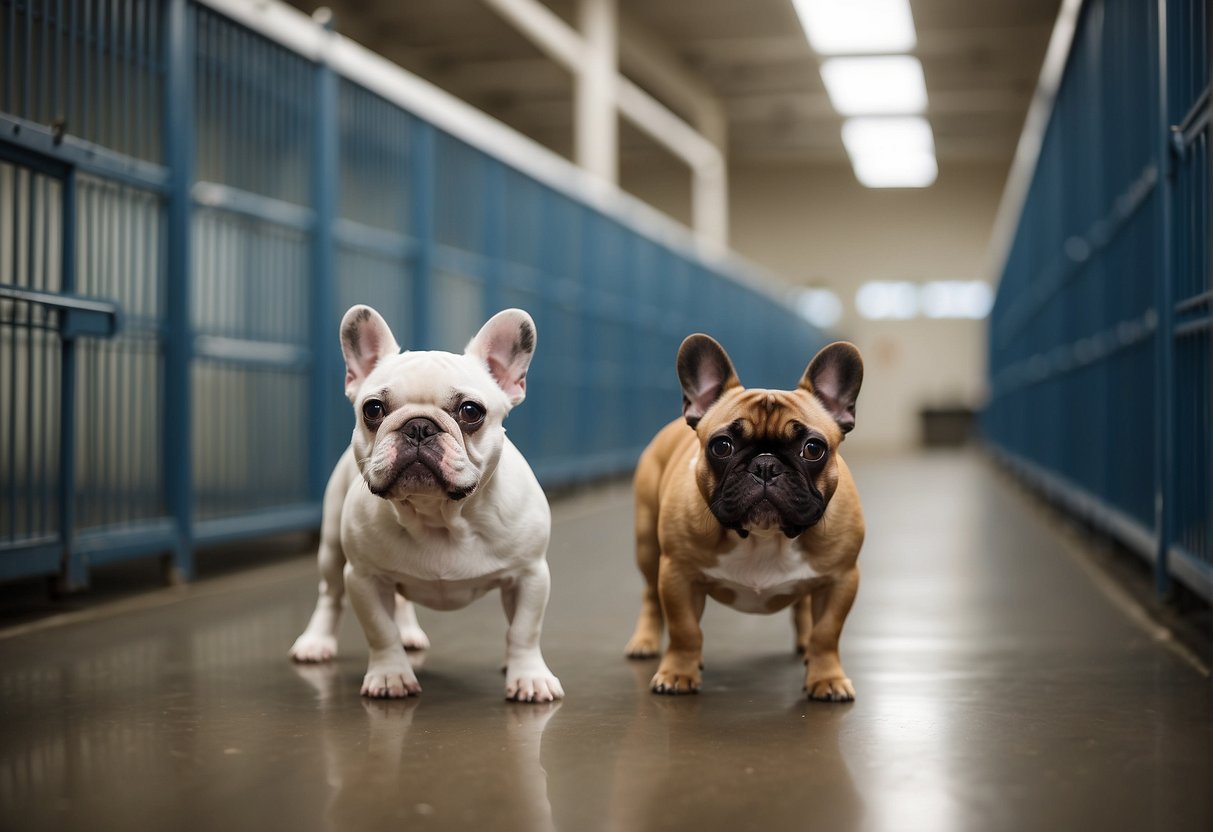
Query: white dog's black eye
point(721, 447)
point(373, 411)
point(814, 450)
point(470, 413)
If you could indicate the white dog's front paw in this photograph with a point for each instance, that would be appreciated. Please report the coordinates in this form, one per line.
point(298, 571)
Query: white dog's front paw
point(312, 648)
point(532, 684)
point(390, 682)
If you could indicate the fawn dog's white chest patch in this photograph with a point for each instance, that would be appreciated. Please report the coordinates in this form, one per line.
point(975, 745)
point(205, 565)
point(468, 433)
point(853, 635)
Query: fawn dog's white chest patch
point(760, 569)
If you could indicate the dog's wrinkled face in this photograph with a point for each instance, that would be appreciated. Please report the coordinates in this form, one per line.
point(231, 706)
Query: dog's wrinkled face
point(768, 458)
point(430, 423)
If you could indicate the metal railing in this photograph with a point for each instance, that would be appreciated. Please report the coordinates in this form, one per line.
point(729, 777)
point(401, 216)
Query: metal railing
point(227, 178)
point(1101, 356)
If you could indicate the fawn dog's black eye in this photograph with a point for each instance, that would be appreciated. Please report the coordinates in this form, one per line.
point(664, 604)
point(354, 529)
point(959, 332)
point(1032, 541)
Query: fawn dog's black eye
point(721, 447)
point(814, 450)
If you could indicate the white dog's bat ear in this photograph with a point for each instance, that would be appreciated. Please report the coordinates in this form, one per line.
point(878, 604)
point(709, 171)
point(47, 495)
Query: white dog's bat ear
point(834, 377)
point(705, 372)
point(365, 340)
point(506, 344)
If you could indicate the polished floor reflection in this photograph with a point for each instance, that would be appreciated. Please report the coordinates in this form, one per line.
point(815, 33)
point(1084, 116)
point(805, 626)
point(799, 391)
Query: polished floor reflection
point(998, 689)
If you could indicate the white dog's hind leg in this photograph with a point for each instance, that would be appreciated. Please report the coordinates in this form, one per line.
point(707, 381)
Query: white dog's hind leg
point(527, 677)
point(388, 673)
point(411, 634)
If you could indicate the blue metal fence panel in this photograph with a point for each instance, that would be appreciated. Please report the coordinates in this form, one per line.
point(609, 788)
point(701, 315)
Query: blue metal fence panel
point(1191, 287)
point(90, 69)
point(1099, 336)
point(119, 469)
point(252, 242)
point(207, 202)
point(30, 370)
point(376, 250)
point(460, 232)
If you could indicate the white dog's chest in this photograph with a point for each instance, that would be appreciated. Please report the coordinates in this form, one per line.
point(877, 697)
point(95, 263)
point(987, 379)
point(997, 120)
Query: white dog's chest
point(447, 595)
point(448, 579)
point(443, 574)
point(759, 570)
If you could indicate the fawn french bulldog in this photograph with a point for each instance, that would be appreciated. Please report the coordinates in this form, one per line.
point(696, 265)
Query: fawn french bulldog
point(432, 503)
point(754, 506)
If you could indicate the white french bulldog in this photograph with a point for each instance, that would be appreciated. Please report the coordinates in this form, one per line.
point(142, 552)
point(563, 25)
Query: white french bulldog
point(432, 503)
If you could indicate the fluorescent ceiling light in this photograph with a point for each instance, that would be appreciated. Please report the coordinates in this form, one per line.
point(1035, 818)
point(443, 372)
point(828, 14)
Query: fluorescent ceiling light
point(857, 27)
point(887, 300)
point(901, 300)
point(890, 172)
point(891, 152)
point(885, 85)
point(820, 307)
point(956, 299)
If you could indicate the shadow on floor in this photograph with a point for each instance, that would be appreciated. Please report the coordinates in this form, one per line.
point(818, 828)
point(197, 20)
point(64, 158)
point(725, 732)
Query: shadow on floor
point(33, 599)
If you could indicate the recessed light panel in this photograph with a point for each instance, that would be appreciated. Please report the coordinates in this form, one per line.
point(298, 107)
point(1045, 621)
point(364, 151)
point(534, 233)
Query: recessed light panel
point(857, 27)
point(886, 85)
point(891, 152)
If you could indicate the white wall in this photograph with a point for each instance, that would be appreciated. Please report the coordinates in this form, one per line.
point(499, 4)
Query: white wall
point(814, 225)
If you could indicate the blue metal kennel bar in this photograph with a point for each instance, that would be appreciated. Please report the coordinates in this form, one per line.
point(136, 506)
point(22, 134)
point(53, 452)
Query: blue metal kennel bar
point(1101, 356)
point(227, 178)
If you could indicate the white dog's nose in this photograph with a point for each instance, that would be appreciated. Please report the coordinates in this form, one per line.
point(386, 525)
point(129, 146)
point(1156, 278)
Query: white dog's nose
point(419, 429)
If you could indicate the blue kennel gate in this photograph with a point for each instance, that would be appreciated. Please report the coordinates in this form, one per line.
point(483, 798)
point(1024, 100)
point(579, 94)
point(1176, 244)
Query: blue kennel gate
point(1101, 350)
point(192, 193)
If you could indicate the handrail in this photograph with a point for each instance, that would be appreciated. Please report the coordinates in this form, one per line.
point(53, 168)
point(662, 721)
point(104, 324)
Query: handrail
point(1196, 120)
point(79, 317)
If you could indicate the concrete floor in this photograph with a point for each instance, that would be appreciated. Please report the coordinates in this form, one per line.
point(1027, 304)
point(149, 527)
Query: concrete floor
point(999, 688)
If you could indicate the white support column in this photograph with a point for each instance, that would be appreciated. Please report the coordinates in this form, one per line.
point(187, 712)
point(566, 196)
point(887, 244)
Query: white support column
point(602, 95)
point(710, 204)
point(595, 125)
